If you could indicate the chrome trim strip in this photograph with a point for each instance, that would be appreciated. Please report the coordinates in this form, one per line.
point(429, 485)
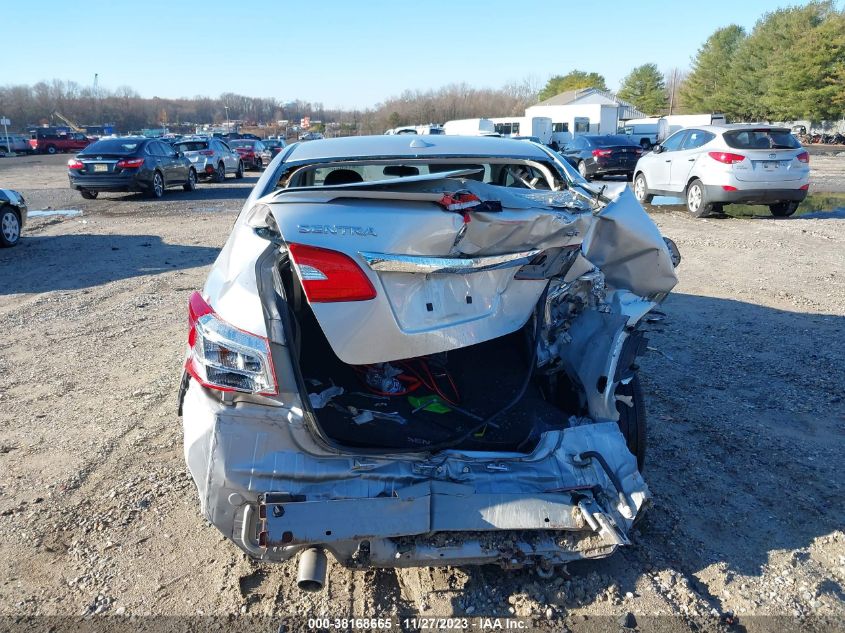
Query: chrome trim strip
point(383, 262)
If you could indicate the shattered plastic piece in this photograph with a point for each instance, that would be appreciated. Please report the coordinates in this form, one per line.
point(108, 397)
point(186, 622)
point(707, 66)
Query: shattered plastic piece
point(319, 400)
point(363, 417)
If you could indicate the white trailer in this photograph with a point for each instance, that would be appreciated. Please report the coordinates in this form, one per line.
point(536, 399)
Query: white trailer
point(470, 127)
point(539, 127)
point(671, 123)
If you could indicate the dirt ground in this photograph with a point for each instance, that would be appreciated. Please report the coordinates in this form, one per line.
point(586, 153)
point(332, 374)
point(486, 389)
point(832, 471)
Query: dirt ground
point(744, 383)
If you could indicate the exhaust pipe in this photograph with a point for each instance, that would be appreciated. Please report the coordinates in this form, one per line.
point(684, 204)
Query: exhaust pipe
point(312, 569)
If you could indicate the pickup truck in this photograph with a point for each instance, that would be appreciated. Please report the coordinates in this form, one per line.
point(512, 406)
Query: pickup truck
point(50, 142)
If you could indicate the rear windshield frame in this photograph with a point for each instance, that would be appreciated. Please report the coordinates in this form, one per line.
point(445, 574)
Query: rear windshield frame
point(114, 146)
point(779, 138)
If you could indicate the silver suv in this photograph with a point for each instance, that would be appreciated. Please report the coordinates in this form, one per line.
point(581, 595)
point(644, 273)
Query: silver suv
point(211, 157)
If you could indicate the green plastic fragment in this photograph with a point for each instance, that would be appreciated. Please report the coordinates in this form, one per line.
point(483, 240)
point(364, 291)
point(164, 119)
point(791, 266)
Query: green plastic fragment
point(432, 404)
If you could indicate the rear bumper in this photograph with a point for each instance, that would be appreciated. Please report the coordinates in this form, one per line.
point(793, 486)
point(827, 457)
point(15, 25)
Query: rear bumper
point(613, 168)
point(265, 484)
point(716, 193)
point(109, 183)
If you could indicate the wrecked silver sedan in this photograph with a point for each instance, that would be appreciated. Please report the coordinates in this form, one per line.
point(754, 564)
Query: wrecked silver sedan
point(423, 352)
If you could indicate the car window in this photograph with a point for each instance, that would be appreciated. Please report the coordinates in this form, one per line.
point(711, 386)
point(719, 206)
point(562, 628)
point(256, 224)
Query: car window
point(191, 146)
point(673, 143)
point(697, 138)
point(761, 139)
point(113, 146)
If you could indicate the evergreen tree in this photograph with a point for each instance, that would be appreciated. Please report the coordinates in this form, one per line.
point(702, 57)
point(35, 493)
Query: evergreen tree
point(572, 81)
point(704, 88)
point(644, 87)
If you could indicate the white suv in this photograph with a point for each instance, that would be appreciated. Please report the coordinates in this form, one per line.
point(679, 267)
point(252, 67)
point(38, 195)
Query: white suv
point(712, 166)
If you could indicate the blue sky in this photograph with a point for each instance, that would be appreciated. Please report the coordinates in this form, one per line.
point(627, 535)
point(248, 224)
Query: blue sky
point(349, 53)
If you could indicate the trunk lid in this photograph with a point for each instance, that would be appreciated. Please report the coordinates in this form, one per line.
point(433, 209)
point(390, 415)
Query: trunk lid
point(442, 279)
point(770, 165)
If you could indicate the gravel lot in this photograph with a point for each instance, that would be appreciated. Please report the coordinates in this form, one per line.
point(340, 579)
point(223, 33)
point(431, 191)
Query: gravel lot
point(744, 387)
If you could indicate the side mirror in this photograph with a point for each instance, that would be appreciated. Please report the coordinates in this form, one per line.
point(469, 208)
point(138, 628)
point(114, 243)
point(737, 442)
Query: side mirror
point(657, 148)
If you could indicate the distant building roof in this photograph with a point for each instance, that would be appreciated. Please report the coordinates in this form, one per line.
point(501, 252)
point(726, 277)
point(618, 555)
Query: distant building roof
point(627, 110)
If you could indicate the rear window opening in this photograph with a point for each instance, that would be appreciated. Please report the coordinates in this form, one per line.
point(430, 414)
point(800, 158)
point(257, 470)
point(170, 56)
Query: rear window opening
point(113, 146)
point(761, 139)
point(523, 175)
point(480, 379)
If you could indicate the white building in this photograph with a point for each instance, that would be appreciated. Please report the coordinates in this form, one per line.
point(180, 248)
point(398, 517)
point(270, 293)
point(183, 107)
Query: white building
point(584, 111)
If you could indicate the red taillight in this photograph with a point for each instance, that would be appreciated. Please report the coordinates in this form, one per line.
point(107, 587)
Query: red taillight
point(728, 187)
point(226, 358)
point(602, 152)
point(73, 163)
point(329, 276)
point(129, 163)
point(207, 152)
point(805, 187)
point(726, 157)
point(803, 157)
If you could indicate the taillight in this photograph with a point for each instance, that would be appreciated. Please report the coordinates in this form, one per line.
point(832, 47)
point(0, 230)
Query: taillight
point(803, 157)
point(226, 358)
point(329, 276)
point(130, 163)
point(726, 157)
point(805, 187)
point(73, 163)
point(602, 152)
point(207, 152)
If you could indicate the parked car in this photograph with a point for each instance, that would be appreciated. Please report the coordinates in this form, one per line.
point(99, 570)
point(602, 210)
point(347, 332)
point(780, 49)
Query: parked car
point(405, 356)
point(711, 166)
point(602, 155)
point(211, 157)
point(13, 215)
point(310, 136)
point(14, 143)
point(274, 146)
point(254, 154)
point(53, 142)
point(130, 164)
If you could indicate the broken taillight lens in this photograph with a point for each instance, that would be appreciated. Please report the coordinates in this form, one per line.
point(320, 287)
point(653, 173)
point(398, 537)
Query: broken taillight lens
point(226, 358)
point(329, 276)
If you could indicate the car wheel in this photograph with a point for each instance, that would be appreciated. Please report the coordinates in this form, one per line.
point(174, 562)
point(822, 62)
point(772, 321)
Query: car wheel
point(219, 173)
point(51, 149)
point(10, 227)
point(632, 420)
point(582, 169)
point(191, 185)
point(641, 190)
point(783, 209)
point(258, 164)
point(697, 202)
point(240, 172)
point(89, 195)
point(157, 190)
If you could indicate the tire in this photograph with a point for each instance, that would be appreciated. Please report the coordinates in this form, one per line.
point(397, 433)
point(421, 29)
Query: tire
point(89, 195)
point(582, 169)
point(783, 209)
point(641, 190)
point(191, 185)
point(240, 173)
point(51, 149)
point(632, 420)
point(258, 164)
point(4, 149)
point(697, 203)
point(219, 174)
point(10, 227)
point(157, 190)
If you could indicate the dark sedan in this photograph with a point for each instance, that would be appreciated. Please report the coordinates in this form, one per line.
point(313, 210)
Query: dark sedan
point(130, 164)
point(602, 155)
point(274, 146)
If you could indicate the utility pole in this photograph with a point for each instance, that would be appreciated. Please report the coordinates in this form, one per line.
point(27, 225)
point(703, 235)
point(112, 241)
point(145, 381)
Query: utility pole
point(228, 125)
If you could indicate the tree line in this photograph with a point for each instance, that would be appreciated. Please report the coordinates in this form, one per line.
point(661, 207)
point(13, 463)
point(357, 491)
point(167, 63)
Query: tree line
point(791, 65)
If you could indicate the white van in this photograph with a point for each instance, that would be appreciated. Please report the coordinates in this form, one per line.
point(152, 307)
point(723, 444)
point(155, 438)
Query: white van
point(539, 127)
point(470, 127)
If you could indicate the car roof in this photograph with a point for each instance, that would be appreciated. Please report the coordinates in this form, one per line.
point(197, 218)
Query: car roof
point(411, 145)
point(719, 129)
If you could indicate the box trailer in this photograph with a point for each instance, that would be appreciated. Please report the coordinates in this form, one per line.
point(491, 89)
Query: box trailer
point(539, 127)
point(470, 127)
